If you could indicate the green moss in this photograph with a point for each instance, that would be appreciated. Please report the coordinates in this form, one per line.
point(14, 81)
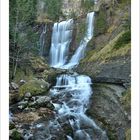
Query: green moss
point(11, 126)
point(81, 30)
point(100, 23)
point(87, 4)
point(128, 134)
point(16, 135)
point(22, 74)
point(124, 39)
point(126, 99)
point(125, 1)
point(54, 9)
point(35, 87)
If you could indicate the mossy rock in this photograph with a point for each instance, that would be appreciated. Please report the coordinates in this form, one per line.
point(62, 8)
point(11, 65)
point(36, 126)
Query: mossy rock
point(35, 87)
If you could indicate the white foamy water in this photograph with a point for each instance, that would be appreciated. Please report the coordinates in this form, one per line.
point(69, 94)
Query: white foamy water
point(80, 52)
point(61, 38)
point(73, 93)
point(42, 40)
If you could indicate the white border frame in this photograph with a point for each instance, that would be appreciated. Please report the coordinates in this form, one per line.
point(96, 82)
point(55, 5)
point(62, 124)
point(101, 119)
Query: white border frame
point(135, 67)
point(4, 55)
point(4, 82)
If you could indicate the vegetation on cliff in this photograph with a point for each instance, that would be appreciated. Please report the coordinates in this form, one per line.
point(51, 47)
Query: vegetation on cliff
point(23, 37)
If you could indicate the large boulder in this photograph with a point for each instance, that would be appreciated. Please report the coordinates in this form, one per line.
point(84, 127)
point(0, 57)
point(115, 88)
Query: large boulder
point(107, 110)
point(111, 72)
point(35, 87)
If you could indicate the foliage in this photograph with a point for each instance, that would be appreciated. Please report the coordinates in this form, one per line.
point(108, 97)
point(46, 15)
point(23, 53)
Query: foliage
point(81, 30)
point(22, 35)
point(123, 40)
point(87, 4)
point(125, 1)
point(100, 23)
point(21, 12)
point(54, 9)
point(16, 135)
point(73, 14)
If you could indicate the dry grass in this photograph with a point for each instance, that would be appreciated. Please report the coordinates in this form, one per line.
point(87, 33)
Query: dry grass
point(108, 51)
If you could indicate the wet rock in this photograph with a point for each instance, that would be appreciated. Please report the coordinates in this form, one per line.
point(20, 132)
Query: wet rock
point(27, 135)
point(26, 99)
point(13, 98)
point(22, 82)
point(108, 72)
point(45, 112)
point(33, 99)
point(28, 95)
point(27, 118)
point(14, 86)
point(22, 104)
point(42, 99)
point(106, 108)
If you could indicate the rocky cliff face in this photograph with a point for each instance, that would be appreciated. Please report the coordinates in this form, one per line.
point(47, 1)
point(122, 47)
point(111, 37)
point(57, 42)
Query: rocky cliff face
point(108, 56)
point(108, 63)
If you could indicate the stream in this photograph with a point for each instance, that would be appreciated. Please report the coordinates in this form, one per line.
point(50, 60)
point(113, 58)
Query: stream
point(72, 91)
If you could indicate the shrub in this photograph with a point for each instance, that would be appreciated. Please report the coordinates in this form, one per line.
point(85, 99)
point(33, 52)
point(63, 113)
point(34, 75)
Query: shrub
point(100, 23)
point(87, 4)
point(54, 9)
point(123, 40)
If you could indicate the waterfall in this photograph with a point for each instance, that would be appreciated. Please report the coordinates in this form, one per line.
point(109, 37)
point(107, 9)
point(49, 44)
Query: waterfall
point(79, 54)
point(71, 93)
point(95, 1)
point(61, 38)
point(42, 40)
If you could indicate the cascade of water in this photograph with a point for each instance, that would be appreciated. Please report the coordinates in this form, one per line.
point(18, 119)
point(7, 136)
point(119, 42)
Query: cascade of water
point(95, 1)
point(61, 38)
point(73, 93)
point(79, 54)
point(42, 40)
